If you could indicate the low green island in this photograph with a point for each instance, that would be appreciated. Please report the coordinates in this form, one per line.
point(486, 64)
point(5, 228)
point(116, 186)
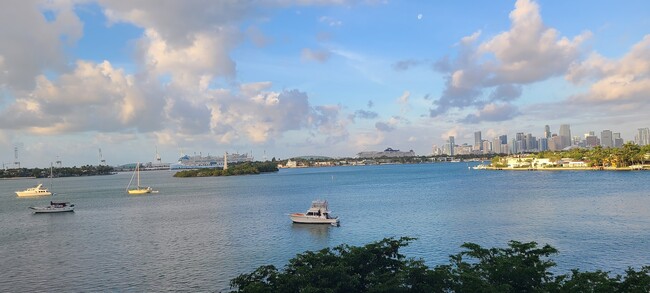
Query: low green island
point(75, 171)
point(247, 168)
point(380, 267)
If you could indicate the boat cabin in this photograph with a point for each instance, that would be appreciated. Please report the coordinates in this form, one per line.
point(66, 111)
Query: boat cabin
point(59, 204)
point(319, 209)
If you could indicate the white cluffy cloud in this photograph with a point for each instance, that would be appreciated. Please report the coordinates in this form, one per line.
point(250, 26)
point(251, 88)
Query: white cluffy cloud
point(623, 81)
point(94, 97)
point(31, 43)
point(184, 49)
point(529, 52)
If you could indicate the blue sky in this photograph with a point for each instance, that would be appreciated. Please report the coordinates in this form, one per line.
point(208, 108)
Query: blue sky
point(288, 78)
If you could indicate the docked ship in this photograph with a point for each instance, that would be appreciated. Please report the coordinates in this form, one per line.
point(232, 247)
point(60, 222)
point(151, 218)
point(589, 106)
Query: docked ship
point(202, 162)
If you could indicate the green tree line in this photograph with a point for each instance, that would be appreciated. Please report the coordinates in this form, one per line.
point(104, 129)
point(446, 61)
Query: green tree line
point(86, 170)
point(234, 169)
point(380, 267)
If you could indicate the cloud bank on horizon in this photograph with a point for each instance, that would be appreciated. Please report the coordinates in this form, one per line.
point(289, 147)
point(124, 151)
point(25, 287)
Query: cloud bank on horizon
point(302, 77)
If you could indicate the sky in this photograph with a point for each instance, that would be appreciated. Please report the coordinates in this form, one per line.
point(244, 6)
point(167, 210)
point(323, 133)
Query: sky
point(286, 78)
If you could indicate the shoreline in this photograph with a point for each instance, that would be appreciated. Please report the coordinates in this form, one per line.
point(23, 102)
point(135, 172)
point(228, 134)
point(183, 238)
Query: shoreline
point(565, 169)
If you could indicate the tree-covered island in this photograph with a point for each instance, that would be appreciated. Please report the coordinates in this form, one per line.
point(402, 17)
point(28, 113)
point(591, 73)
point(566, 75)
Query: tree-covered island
point(247, 168)
point(628, 157)
point(380, 267)
point(75, 171)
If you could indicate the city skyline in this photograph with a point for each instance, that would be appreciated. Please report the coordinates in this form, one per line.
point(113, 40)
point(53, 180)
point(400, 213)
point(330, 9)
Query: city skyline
point(280, 78)
point(549, 141)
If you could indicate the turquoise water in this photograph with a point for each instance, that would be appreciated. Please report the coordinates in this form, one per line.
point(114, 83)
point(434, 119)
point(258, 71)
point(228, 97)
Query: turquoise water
point(198, 233)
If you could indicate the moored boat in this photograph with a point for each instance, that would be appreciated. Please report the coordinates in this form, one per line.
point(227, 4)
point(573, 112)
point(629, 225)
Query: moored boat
point(54, 207)
point(38, 190)
point(318, 213)
point(139, 189)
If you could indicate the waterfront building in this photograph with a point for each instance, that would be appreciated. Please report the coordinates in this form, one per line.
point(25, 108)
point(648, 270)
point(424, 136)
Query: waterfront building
point(504, 149)
point(592, 141)
point(531, 142)
point(388, 153)
point(543, 144)
point(435, 150)
point(565, 135)
point(547, 131)
point(643, 137)
point(606, 139)
point(487, 147)
point(452, 145)
point(445, 148)
point(464, 149)
point(618, 141)
point(518, 144)
point(478, 141)
point(555, 143)
point(504, 139)
point(496, 145)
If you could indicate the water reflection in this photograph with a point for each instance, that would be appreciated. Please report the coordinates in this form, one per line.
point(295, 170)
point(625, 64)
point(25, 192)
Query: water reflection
point(316, 230)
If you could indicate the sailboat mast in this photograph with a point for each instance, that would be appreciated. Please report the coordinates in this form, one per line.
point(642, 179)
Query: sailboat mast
point(51, 176)
point(137, 170)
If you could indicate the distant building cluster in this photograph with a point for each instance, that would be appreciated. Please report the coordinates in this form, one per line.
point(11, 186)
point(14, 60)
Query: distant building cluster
point(388, 153)
point(527, 143)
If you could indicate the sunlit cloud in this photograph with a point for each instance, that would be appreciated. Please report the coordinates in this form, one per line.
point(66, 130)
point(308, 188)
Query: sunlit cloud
point(529, 52)
point(314, 55)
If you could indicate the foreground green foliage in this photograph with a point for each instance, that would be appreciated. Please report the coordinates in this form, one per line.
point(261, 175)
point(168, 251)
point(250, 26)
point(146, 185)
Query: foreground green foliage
point(379, 267)
point(234, 169)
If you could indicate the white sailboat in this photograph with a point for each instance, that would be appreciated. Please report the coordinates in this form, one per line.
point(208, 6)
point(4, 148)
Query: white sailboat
point(139, 189)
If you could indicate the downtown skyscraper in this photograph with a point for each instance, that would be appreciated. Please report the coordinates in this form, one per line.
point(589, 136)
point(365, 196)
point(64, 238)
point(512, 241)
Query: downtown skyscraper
point(606, 139)
point(565, 135)
point(643, 138)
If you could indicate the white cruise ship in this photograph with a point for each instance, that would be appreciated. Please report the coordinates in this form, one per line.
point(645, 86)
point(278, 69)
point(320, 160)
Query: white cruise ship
point(200, 162)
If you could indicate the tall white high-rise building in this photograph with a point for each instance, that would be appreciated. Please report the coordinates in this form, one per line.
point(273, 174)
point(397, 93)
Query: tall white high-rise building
point(478, 141)
point(565, 135)
point(452, 144)
point(606, 139)
point(547, 131)
point(496, 145)
point(643, 138)
point(618, 141)
point(487, 147)
point(435, 150)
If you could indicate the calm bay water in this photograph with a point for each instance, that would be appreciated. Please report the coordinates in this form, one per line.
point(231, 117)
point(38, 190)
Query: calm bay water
point(198, 233)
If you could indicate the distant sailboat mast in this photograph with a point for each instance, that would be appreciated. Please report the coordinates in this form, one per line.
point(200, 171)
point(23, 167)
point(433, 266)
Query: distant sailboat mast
point(158, 159)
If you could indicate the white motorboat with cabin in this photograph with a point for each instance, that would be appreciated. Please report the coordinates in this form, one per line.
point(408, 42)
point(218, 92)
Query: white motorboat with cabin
point(38, 190)
point(318, 213)
point(54, 207)
point(480, 167)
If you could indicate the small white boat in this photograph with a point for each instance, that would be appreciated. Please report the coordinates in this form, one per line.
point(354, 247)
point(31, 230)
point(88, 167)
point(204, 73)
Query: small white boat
point(38, 190)
point(54, 207)
point(318, 213)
